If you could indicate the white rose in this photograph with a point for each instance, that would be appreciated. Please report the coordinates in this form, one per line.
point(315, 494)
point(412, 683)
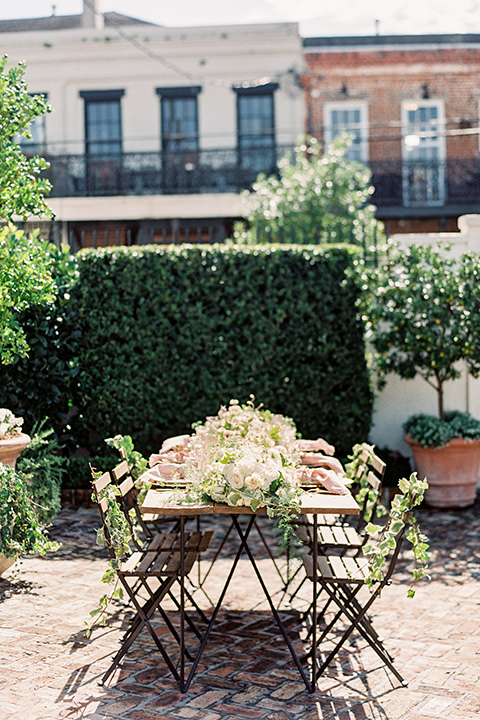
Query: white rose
point(246, 465)
point(254, 481)
point(232, 476)
point(271, 471)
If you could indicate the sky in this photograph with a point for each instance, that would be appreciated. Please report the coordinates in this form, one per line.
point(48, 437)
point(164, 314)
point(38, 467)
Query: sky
point(315, 17)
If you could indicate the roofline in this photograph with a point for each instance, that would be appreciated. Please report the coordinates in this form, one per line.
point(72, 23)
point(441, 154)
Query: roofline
point(391, 41)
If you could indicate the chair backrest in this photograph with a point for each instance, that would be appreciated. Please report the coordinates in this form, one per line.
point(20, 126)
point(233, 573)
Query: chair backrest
point(125, 482)
point(103, 501)
point(366, 473)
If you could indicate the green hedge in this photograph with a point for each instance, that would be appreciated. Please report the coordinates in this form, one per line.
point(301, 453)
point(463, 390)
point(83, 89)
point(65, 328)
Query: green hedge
point(40, 386)
point(164, 335)
point(77, 473)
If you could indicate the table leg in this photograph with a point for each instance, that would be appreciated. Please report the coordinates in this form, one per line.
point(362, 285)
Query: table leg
point(243, 539)
point(314, 604)
point(217, 606)
point(182, 604)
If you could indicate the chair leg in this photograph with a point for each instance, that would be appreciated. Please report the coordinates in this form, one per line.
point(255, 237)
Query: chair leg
point(142, 619)
point(356, 622)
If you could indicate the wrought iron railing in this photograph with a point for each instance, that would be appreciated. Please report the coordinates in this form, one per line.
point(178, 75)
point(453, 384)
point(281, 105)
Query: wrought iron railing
point(397, 184)
point(426, 183)
point(152, 173)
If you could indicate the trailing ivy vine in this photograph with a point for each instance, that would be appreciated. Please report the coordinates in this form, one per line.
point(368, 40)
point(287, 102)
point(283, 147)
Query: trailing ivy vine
point(357, 471)
point(401, 514)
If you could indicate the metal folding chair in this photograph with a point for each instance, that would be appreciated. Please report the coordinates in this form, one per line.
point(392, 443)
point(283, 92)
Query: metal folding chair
point(344, 535)
point(147, 571)
point(342, 578)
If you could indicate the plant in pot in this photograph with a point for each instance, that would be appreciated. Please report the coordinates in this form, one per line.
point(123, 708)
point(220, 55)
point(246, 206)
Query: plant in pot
point(422, 316)
point(12, 439)
point(21, 532)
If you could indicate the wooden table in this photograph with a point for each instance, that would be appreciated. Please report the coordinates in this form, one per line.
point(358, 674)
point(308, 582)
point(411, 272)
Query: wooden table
point(164, 502)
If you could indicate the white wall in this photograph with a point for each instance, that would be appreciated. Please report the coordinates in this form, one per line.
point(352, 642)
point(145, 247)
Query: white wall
point(64, 62)
point(402, 398)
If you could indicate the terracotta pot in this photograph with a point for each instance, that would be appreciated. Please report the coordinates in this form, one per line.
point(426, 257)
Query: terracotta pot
point(5, 563)
point(10, 448)
point(451, 471)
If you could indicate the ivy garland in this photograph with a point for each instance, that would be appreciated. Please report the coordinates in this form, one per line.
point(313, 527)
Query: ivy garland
point(357, 471)
point(401, 514)
point(120, 536)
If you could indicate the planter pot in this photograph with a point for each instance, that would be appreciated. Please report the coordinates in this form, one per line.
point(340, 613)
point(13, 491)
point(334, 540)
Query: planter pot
point(451, 472)
point(10, 448)
point(5, 563)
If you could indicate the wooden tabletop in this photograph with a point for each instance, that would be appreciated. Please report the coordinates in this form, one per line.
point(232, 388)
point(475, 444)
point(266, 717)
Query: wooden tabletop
point(165, 502)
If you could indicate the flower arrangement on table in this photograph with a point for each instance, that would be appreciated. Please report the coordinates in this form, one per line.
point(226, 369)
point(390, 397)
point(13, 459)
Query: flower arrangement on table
point(247, 456)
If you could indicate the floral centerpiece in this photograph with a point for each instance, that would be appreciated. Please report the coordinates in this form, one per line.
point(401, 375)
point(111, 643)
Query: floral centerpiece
point(245, 456)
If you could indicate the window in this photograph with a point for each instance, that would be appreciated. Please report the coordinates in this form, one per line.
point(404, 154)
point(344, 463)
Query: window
point(179, 133)
point(256, 129)
point(38, 144)
point(103, 140)
point(103, 127)
point(423, 150)
point(348, 116)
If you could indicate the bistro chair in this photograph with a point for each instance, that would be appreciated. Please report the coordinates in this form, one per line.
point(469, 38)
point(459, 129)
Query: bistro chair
point(342, 578)
point(147, 572)
point(122, 476)
point(347, 533)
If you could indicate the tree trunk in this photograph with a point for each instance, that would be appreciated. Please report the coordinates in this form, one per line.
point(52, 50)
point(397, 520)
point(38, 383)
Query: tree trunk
point(441, 409)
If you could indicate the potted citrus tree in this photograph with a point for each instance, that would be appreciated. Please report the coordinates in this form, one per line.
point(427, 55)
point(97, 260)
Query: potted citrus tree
point(422, 312)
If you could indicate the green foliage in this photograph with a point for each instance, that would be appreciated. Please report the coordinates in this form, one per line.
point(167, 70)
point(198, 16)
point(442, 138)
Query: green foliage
point(21, 531)
point(167, 335)
point(430, 431)
point(357, 471)
point(42, 468)
point(22, 190)
point(117, 535)
point(25, 280)
point(124, 444)
point(401, 516)
point(317, 198)
point(39, 385)
point(422, 311)
point(77, 472)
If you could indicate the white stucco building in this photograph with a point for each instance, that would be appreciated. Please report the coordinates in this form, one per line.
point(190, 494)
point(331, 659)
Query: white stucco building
point(155, 130)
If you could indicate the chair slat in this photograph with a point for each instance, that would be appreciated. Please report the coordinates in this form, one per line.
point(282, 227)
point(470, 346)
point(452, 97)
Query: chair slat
point(120, 470)
point(338, 569)
point(101, 483)
point(126, 486)
point(353, 570)
point(324, 567)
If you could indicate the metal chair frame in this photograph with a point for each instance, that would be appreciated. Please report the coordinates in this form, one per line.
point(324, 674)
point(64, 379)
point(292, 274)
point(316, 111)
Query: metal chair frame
point(165, 559)
point(342, 578)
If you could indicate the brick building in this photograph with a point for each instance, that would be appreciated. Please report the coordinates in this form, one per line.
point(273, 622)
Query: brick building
point(412, 103)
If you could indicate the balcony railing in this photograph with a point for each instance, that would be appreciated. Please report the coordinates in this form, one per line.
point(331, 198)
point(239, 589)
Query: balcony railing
point(426, 184)
point(200, 171)
point(414, 184)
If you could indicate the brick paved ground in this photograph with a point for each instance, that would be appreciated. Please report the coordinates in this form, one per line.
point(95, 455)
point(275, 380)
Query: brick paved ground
point(50, 670)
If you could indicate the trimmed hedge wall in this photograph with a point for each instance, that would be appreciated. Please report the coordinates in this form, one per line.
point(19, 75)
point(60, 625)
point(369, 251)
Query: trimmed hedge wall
point(40, 385)
point(167, 334)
